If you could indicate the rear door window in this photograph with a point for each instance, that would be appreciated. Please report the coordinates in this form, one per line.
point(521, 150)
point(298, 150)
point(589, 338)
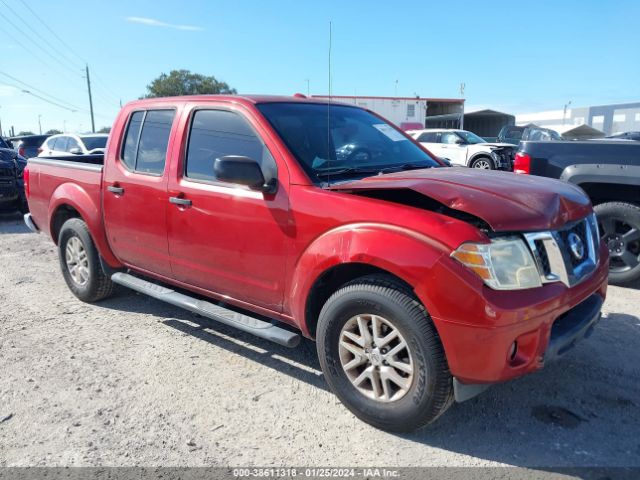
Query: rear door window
point(61, 144)
point(146, 141)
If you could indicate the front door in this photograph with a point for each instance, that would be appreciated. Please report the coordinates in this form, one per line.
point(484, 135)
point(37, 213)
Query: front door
point(135, 193)
point(451, 148)
point(228, 239)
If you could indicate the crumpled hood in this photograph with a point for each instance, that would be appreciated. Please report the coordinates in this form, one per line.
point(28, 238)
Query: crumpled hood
point(505, 200)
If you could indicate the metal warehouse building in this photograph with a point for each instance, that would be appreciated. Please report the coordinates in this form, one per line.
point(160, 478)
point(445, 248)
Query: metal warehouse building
point(610, 119)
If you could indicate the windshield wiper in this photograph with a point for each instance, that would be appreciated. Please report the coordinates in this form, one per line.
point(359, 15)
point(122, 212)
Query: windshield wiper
point(404, 166)
point(377, 170)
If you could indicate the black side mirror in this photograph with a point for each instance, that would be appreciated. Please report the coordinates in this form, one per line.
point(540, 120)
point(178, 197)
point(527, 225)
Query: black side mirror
point(243, 171)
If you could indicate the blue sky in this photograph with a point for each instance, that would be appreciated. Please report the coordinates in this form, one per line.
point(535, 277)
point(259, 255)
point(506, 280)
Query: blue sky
point(513, 56)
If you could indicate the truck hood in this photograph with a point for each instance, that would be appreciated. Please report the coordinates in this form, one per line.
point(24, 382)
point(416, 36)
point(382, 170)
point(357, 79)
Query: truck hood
point(504, 200)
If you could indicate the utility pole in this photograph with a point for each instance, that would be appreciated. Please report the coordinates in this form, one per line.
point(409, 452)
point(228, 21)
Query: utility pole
point(564, 111)
point(93, 123)
point(40, 124)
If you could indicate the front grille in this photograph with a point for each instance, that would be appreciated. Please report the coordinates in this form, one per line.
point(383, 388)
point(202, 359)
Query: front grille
point(7, 173)
point(567, 255)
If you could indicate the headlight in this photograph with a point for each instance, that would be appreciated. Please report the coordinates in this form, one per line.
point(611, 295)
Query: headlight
point(504, 264)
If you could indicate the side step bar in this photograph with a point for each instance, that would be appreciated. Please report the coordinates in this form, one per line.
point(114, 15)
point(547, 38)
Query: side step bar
point(248, 324)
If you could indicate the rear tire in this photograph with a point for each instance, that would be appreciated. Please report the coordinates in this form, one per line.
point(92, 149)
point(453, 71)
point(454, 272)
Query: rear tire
point(80, 263)
point(483, 163)
point(619, 224)
point(424, 389)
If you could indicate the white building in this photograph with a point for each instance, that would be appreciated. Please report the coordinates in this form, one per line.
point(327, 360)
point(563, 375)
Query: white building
point(608, 119)
point(410, 112)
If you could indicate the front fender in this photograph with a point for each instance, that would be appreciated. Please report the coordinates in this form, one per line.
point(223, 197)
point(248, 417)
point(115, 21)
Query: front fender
point(404, 253)
point(74, 196)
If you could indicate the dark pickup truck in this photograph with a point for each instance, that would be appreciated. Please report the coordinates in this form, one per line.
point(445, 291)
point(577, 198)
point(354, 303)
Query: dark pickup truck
point(609, 172)
point(12, 167)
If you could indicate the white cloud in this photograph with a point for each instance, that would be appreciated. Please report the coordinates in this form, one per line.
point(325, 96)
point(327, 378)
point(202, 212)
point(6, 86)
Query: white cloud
point(152, 22)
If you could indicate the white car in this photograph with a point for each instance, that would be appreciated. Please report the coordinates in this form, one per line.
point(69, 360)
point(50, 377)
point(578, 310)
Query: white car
point(465, 148)
point(69, 144)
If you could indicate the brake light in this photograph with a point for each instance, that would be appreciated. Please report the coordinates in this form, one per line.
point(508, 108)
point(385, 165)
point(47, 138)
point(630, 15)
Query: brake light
point(522, 163)
point(21, 151)
point(25, 179)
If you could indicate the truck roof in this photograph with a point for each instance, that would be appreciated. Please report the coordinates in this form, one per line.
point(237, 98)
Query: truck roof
point(250, 99)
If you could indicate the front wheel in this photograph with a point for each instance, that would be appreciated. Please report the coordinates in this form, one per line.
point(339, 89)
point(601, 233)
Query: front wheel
point(619, 225)
point(483, 163)
point(80, 263)
point(382, 356)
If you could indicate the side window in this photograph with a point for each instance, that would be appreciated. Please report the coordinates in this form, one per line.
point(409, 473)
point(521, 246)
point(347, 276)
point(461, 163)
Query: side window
point(217, 133)
point(448, 137)
point(61, 144)
point(71, 143)
point(152, 148)
point(428, 137)
point(131, 140)
point(146, 140)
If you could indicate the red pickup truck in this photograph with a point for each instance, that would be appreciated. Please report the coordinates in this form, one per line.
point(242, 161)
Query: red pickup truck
point(420, 283)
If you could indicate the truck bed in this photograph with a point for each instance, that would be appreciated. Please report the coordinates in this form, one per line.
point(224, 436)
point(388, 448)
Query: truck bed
point(56, 177)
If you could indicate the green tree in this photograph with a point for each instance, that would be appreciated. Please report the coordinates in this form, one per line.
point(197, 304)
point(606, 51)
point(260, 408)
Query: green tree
point(105, 130)
point(184, 82)
point(25, 132)
point(53, 131)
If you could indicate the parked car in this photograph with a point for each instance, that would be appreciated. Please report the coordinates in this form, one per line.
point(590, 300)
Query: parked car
point(68, 144)
point(625, 136)
point(12, 164)
point(609, 172)
point(513, 135)
point(420, 283)
point(461, 147)
point(29, 145)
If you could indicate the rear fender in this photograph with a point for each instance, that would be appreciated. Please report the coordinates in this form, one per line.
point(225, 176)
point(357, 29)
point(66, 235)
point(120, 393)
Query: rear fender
point(72, 195)
point(404, 253)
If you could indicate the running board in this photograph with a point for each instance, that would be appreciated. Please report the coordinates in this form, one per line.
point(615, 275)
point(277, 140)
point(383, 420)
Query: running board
point(248, 324)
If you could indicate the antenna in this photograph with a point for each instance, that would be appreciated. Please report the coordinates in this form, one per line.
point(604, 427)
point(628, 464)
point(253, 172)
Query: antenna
point(329, 116)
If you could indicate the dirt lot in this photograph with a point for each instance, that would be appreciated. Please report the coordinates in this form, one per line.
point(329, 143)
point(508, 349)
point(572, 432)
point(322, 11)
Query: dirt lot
point(132, 381)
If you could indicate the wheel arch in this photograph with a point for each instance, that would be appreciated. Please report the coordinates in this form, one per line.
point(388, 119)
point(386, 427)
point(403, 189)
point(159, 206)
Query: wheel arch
point(71, 201)
point(352, 251)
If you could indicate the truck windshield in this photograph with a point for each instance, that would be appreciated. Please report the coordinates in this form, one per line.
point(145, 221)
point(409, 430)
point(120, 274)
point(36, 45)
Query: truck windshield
point(337, 140)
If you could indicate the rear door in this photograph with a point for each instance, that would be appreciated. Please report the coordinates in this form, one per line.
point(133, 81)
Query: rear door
point(135, 191)
point(229, 240)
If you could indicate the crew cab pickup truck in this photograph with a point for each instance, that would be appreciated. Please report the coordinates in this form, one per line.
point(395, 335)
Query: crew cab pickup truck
point(420, 283)
point(609, 172)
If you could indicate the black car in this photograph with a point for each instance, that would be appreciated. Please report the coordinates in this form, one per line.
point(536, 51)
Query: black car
point(12, 165)
point(28, 146)
point(626, 136)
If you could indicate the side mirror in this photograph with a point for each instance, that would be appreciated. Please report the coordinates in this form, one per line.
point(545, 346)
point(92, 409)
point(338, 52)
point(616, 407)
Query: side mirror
point(76, 151)
point(243, 171)
point(446, 161)
point(459, 141)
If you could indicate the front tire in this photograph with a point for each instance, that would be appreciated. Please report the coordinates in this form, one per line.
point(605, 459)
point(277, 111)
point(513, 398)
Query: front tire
point(382, 356)
point(483, 163)
point(80, 263)
point(619, 225)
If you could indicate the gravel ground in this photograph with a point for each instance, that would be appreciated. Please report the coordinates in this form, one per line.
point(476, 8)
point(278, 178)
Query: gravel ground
point(133, 381)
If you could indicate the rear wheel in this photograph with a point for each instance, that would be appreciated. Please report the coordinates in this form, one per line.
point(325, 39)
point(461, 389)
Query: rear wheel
point(619, 225)
point(484, 163)
point(80, 263)
point(382, 356)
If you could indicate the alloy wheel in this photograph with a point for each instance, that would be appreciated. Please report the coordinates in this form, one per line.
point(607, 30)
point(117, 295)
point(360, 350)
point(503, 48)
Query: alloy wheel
point(77, 261)
point(376, 358)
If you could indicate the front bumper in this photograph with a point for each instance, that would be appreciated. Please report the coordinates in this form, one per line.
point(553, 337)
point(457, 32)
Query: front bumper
point(479, 326)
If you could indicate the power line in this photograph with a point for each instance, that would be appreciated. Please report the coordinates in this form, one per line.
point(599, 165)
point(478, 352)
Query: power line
point(60, 55)
point(36, 55)
point(96, 77)
point(31, 87)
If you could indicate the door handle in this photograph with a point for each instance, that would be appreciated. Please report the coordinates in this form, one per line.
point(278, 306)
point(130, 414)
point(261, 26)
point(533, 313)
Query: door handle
point(180, 201)
point(115, 189)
